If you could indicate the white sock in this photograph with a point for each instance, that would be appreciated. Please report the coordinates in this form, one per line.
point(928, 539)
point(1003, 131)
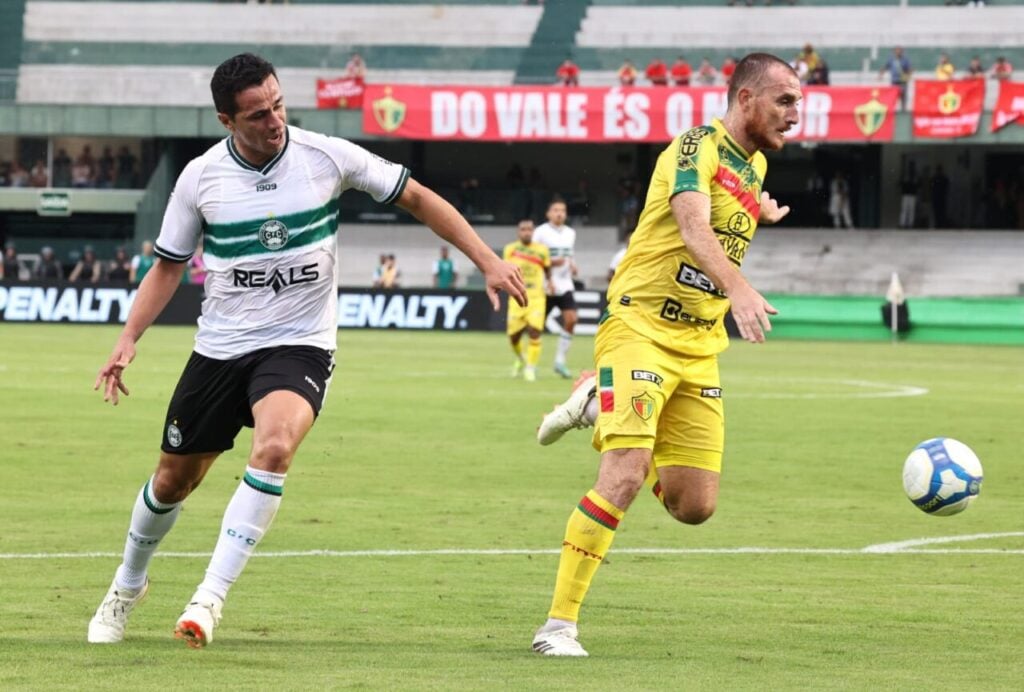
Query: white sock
point(246, 519)
point(556, 624)
point(564, 342)
point(590, 412)
point(151, 520)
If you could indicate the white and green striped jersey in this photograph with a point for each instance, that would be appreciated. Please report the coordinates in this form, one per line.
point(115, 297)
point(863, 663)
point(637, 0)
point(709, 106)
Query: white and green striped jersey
point(269, 238)
point(561, 240)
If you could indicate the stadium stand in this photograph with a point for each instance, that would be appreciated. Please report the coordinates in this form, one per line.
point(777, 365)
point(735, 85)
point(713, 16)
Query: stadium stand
point(155, 53)
point(856, 40)
point(785, 260)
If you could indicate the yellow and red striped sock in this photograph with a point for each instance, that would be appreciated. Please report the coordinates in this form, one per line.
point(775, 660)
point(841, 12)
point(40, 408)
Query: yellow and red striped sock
point(588, 536)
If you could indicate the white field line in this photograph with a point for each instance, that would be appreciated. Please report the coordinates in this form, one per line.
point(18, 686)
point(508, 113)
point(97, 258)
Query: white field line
point(912, 544)
point(881, 549)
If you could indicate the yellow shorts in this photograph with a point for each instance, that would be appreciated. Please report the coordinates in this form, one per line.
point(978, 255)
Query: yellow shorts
point(653, 398)
point(530, 316)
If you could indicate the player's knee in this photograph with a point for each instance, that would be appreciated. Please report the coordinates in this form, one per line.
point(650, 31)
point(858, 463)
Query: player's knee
point(272, 454)
point(170, 487)
point(692, 512)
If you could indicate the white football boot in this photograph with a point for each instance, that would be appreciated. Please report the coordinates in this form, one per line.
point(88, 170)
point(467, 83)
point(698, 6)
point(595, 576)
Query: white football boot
point(562, 641)
point(201, 616)
point(107, 625)
point(571, 413)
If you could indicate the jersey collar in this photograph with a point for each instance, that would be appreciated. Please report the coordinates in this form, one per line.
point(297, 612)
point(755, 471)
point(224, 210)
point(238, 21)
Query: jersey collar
point(729, 141)
point(265, 168)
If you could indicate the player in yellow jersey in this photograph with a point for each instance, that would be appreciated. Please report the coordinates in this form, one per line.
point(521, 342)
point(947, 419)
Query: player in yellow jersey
point(534, 261)
point(656, 397)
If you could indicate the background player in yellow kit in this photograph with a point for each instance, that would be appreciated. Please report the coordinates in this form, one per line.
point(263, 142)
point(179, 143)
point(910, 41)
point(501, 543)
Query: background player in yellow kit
point(658, 396)
point(534, 261)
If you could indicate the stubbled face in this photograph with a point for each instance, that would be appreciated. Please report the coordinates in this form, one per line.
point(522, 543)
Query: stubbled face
point(770, 109)
point(259, 126)
point(525, 232)
point(556, 214)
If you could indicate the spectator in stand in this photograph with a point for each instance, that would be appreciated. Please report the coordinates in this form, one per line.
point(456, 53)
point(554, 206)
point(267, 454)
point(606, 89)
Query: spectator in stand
point(940, 197)
point(445, 273)
point(944, 70)
point(839, 201)
point(10, 270)
point(378, 271)
point(627, 74)
point(120, 268)
point(39, 176)
point(681, 72)
point(5, 173)
point(1002, 69)
point(126, 173)
point(18, 176)
point(617, 257)
point(49, 267)
point(810, 56)
point(975, 69)
point(61, 169)
point(142, 263)
point(568, 73)
point(390, 276)
point(706, 73)
point(196, 267)
point(105, 170)
point(728, 67)
point(819, 75)
point(355, 68)
point(83, 173)
point(657, 72)
point(899, 69)
point(908, 197)
point(88, 268)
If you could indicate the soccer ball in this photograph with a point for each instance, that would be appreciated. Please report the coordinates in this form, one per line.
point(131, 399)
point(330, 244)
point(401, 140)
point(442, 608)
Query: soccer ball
point(942, 476)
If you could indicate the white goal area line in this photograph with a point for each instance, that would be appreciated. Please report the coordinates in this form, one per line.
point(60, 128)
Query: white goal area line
point(907, 547)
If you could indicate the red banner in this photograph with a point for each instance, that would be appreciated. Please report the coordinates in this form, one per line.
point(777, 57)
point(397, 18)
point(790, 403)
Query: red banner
point(944, 109)
point(344, 92)
point(558, 114)
point(1009, 106)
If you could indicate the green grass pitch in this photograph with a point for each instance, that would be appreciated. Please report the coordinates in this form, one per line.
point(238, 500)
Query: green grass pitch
point(426, 445)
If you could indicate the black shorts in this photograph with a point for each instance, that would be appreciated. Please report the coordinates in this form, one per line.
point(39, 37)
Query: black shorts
point(214, 398)
point(566, 301)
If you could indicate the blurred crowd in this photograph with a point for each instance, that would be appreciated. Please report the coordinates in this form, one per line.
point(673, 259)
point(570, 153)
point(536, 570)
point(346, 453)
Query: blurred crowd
point(108, 170)
point(86, 266)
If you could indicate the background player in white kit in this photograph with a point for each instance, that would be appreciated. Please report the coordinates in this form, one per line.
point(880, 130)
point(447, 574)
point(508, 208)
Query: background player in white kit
point(265, 200)
point(561, 240)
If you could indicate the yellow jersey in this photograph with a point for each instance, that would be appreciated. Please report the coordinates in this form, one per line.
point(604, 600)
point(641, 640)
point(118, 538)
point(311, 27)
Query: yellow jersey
point(533, 261)
point(658, 289)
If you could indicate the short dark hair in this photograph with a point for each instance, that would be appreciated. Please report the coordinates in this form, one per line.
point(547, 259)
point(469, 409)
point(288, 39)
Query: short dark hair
point(750, 72)
point(234, 76)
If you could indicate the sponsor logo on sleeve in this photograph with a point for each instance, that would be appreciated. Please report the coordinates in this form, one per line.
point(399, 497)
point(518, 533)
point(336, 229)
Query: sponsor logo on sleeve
point(711, 392)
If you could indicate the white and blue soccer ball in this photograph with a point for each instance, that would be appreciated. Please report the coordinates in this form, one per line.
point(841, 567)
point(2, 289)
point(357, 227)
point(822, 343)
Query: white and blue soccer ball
point(942, 476)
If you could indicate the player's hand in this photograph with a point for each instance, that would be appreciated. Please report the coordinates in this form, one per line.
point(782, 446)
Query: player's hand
point(110, 374)
point(751, 310)
point(771, 212)
point(505, 276)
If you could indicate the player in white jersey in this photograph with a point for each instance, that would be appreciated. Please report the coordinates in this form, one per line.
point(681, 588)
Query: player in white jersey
point(265, 201)
point(561, 240)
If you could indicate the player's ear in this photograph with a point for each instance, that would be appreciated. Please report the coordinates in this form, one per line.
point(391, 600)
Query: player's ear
point(226, 121)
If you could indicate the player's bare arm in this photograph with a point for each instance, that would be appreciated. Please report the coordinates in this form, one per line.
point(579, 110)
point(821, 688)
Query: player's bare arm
point(692, 211)
point(443, 219)
point(155, 291)
point(771, 212)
